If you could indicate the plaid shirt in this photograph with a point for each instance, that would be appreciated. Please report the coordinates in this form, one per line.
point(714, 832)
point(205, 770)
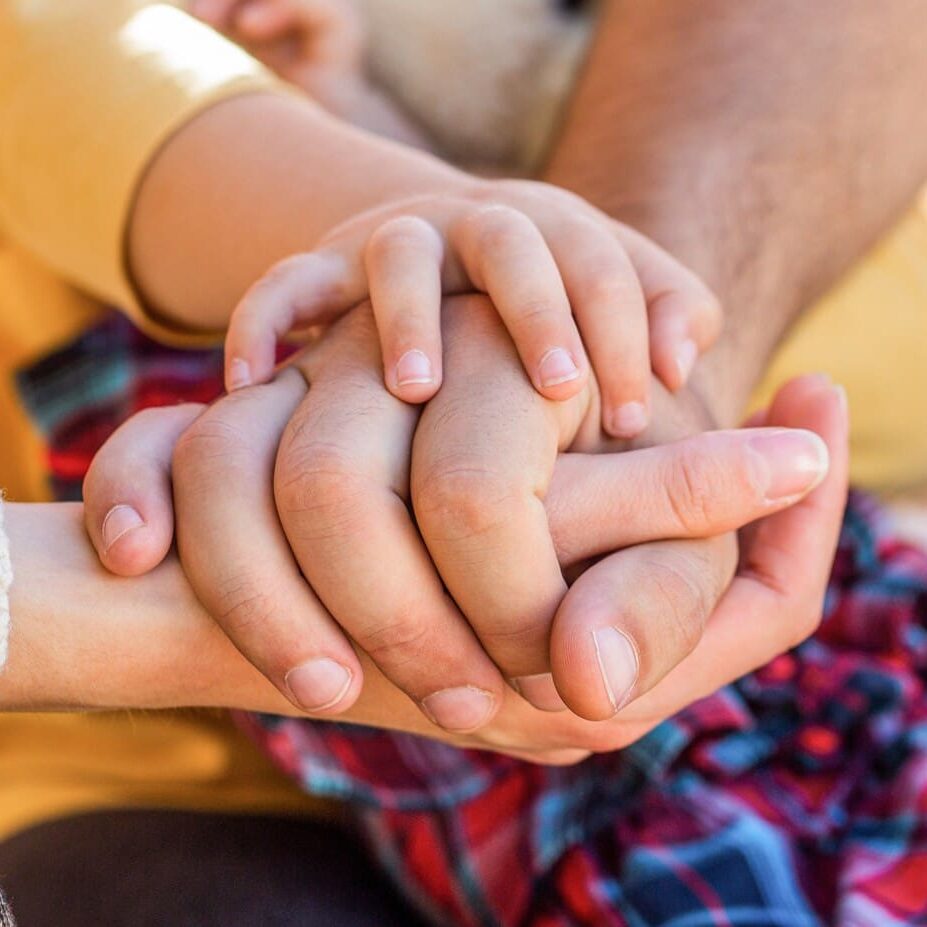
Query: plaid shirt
point(794, 797)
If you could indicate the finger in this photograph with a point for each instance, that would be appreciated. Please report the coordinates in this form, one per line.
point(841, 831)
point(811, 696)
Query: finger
point(632, 655)
point(483, 455)
point(776, 599)
point(303, 290)
point(236, 555)
point(341, 490)
point(612, 316)
point(403, 264)
point(128, 508)
point(629, 619)
point(506, 257)
point(699, 487)
point(268, 20)
point(218, 13)
point(685, 316)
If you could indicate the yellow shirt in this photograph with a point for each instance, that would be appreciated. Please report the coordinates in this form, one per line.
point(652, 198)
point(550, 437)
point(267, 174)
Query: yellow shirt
point(88, 92)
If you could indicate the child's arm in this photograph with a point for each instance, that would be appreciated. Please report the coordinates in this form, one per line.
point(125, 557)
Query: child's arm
point(318, 46)
point(404, 266)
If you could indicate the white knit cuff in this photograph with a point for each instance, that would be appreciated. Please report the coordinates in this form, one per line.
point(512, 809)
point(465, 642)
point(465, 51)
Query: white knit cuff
point(6, 580)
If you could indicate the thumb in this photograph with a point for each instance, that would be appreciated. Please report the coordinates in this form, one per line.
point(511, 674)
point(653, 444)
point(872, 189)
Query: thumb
point(128, 508)
point(699, 487)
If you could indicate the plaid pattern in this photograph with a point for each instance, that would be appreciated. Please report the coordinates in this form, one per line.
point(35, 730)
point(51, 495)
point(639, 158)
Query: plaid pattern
point(795, 797)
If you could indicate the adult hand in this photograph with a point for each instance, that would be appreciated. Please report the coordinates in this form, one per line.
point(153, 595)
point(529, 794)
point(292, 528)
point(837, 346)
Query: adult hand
point(344, 515)
point(86, 640)
point(169, 652)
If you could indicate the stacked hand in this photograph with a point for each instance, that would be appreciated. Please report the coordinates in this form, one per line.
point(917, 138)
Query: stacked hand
point(293, 524)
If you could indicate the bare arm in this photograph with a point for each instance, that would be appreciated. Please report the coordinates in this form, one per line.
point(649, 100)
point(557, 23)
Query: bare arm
point(765, 144)
point(249, 182)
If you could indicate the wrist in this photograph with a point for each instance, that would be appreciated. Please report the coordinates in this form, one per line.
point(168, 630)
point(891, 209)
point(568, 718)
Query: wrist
point(274, 165)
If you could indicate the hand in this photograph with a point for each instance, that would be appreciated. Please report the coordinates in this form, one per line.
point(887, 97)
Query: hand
point(541, 254)
point(295, 38)
point(154, 646)
point(341, 479)
point(85, 641)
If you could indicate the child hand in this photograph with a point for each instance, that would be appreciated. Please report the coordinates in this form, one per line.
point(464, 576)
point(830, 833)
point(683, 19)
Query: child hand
point(561, 274)
point(294, 38)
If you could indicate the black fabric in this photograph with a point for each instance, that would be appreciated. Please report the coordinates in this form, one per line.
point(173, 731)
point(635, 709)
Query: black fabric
point(179, 869)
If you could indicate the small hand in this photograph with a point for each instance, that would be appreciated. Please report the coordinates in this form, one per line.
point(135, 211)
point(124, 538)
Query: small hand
point(561, 275)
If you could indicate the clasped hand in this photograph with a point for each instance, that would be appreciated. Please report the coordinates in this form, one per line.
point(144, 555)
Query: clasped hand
point(348, 542)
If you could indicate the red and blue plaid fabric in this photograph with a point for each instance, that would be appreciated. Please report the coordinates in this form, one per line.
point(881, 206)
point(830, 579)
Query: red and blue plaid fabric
point(796, 797)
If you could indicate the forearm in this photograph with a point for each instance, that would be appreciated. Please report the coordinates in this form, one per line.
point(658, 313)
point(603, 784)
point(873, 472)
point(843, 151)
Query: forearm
point(766, 145)
point(249, 182)
point(83, 639)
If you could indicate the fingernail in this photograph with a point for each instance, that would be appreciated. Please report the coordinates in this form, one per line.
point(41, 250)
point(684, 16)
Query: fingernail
point(414, 367)
point(619, 664)
point(540, 691)
point(795, 461)
point(119, 521)
point(460, 709)
point(557, 366)
point(239, 374)
point(686, 354)
point(318, 684)
point(628, 420)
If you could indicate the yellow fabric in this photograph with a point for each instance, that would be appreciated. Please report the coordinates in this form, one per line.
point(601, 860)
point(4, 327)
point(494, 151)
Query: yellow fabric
point(54, 765)
point(88, 92)
point(870, 334)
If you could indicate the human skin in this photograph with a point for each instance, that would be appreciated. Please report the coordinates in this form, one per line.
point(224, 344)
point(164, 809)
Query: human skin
point(343, 509)
point(766, 145)
point(83, 639)
point(400, 227)
point(756, 234)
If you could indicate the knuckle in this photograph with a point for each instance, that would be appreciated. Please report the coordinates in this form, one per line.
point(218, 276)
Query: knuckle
point(689, 490)
point(210, 439)
point(538, 313)
point(401, 642)
point(456, 502)
point(324, 482)
point(609, 287)
point(497, 228)
point(523, 636)
point(403, 232)
point(673, 593)
point(243, 609)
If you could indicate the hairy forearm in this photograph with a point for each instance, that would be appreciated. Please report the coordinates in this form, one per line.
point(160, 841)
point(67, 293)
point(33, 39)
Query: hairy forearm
point(251, 181)
point(765, 144)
